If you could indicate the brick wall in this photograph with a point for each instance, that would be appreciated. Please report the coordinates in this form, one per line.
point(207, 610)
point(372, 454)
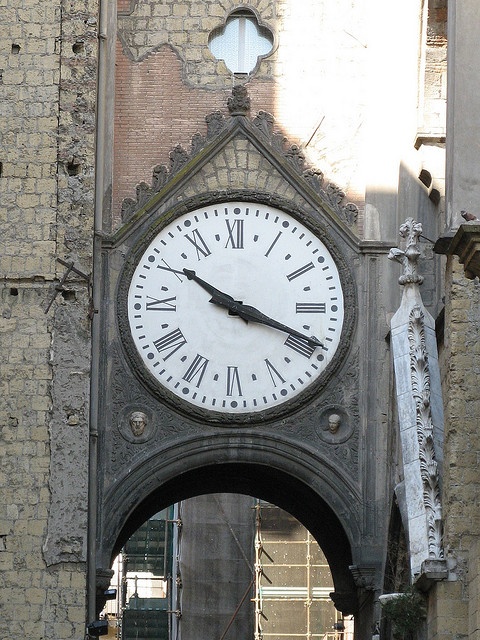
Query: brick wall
point(156, 111)
point(167, 81)
point(462, 474)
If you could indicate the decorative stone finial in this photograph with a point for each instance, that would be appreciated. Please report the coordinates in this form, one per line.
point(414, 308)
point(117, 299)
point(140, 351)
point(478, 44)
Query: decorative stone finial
point(239, 103)
point(410, 230)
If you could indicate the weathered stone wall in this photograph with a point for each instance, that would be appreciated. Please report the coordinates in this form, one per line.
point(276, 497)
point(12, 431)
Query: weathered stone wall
point(328, 88)
point(433, 97)
point(48, 61)
point(462, 449)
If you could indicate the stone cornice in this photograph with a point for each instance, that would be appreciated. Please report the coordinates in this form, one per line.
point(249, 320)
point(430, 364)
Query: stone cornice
point(464, 243)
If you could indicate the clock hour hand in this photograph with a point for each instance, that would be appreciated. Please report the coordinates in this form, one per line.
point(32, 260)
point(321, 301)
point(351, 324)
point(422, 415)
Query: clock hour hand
point(246, 312)
point(218, 297)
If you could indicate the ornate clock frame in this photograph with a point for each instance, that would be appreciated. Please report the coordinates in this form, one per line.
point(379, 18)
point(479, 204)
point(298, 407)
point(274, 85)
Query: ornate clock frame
point(320, 441)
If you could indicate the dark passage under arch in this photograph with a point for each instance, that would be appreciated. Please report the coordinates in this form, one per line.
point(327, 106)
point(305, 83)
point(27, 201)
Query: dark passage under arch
point(266, 483)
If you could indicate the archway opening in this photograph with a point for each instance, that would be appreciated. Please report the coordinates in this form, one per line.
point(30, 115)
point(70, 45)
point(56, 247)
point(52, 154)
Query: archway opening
point(222, 566)
point(278, 479)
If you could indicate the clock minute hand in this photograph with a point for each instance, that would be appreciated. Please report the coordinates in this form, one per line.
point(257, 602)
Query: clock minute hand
point(245, 311)
point(248, 313)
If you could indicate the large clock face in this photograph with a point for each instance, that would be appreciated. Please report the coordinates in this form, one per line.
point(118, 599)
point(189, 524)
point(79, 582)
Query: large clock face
point(235, 308)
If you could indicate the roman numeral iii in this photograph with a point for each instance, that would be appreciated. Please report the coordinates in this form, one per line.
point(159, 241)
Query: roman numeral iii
point(310, 307)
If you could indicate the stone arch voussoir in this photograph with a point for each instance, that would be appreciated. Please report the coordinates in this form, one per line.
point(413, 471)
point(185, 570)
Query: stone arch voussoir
point(266, 467)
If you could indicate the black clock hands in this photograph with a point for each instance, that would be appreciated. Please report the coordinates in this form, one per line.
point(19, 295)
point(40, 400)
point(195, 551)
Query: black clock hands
point(246, 312)
point(218, 297)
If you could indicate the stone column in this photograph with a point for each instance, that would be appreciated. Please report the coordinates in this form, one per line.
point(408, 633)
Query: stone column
point(463, 111)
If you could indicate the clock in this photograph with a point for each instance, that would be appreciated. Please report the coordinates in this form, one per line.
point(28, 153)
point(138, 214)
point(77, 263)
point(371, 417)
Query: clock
point(234, 309)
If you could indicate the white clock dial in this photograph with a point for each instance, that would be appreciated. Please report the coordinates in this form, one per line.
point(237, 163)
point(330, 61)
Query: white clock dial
point(236, 308)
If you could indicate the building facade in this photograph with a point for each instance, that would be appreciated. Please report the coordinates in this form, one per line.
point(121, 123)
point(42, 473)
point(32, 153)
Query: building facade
point(126, 127)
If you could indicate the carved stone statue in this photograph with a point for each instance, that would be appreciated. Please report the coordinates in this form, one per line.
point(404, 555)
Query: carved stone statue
point(138, 422)
point(334, 421)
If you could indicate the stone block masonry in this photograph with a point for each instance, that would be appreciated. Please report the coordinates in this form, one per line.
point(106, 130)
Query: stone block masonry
point(47, 98)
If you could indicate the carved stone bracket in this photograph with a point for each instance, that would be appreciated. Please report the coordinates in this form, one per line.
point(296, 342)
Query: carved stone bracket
point(411, 231)
point(239, 105)
point(364, 577)
point(103, 579)
point(465, 244)
point(420, 406)
point(420, 375)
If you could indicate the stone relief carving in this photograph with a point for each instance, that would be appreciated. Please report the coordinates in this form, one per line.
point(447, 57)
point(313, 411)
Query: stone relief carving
point(334, 425)
point(419, 381)
point(138, 421)
point(342, 398)
point(127, 401)
point(428, 465)
point(411, 231)
point(239, 102)
point(238, 105)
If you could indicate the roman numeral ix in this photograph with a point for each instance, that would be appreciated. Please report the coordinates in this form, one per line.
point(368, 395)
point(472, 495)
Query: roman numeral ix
point(165, 304)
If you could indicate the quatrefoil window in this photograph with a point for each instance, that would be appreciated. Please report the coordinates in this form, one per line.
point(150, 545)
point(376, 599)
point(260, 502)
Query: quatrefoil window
point(241, 42)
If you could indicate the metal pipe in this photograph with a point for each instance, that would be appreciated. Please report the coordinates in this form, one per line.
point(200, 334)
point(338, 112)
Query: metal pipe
point(96, 320)
point(232, 619)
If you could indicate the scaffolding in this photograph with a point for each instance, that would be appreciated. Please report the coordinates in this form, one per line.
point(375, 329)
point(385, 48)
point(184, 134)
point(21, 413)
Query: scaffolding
point(288, 592)
point(292, 582)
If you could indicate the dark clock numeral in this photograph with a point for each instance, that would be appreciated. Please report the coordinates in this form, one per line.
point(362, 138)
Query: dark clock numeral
point(166, 267)
point(300, 345)
point(273, 244)
point(199, 244)
point(310, 307)
point(165, 304)
point(235, 234)
point(171, 342)
point(233, 382)
point(196, 370)
point(300, 271)
point(274, 374)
